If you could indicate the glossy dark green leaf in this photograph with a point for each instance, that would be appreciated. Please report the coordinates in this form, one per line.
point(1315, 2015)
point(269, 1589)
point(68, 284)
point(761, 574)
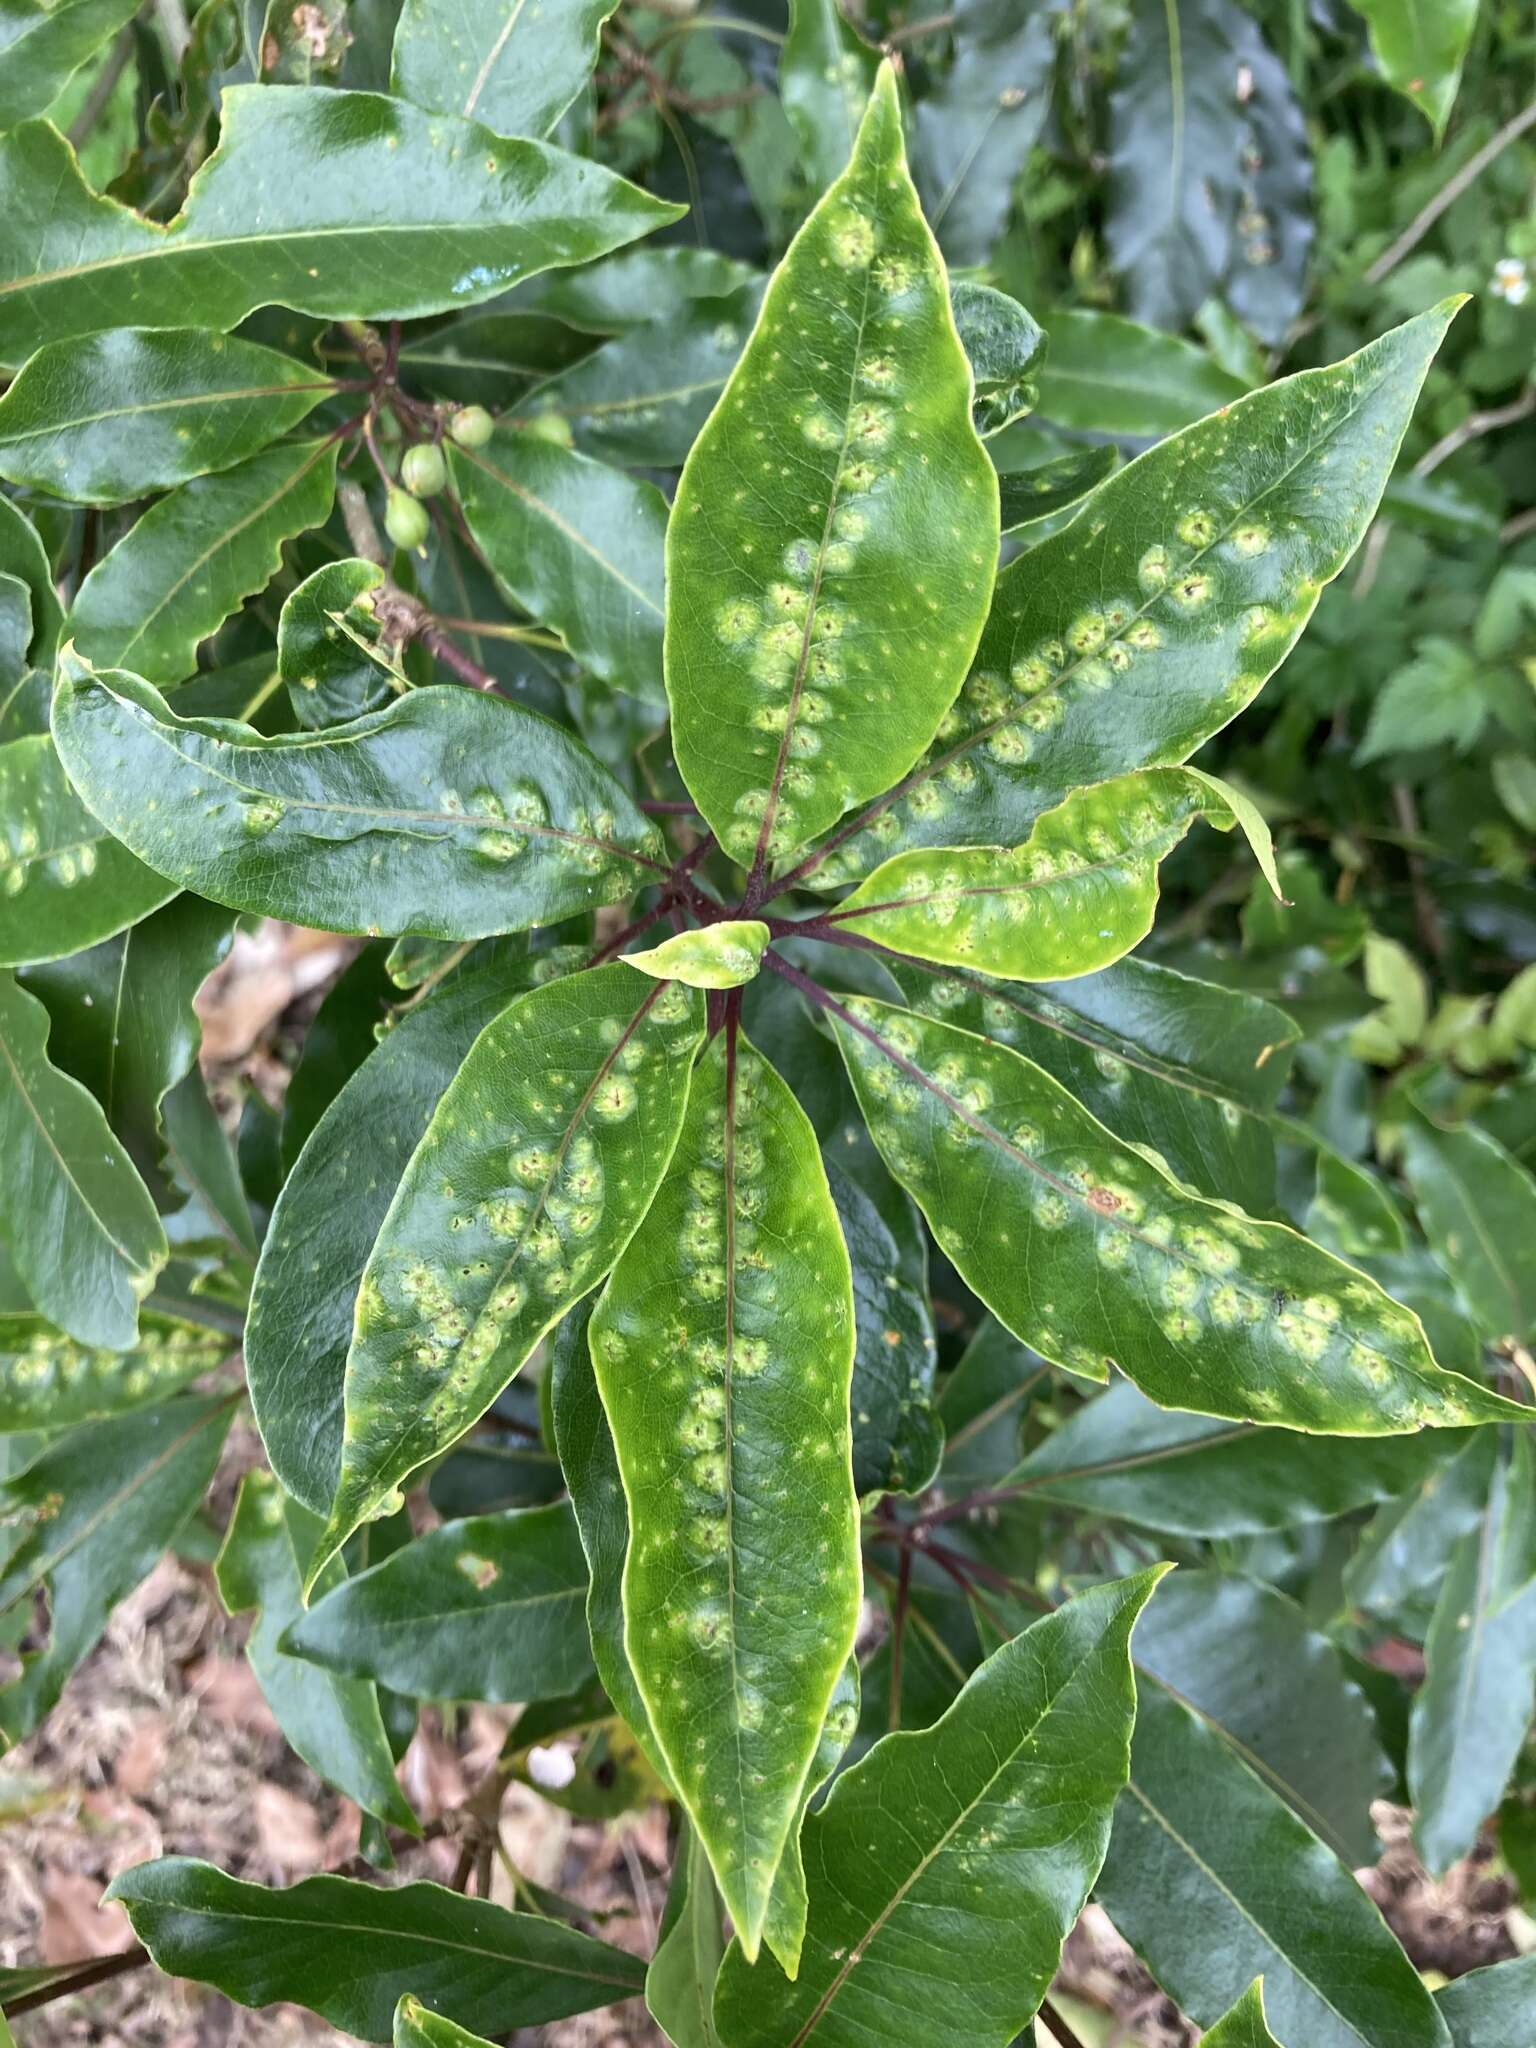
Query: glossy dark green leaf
point(1215, 1881)
point(539, 1161)
point(328, 652)
point(353, 1018)
point(41, 45)
point(1145, 626)
point(1487, 2008)
point(1420, 46)
point(1194, 1476)
point(1244, 2026)
point(47, 1381)
point(176, 576)
point(636, 286)
point(1405, 1550)
point(1005, 346)
point(489, 1608)
point(984, 1404)
point(723, 1348)
point(514, 67)
point(994, 1818)
point(65, 882)
point(1053, 486)
point(492, 358)
point(341, 204)
point(1474, 1709)
point(825, 75)
point(333, 1723)
point(1478, 1209)
point(114, 416)
point(85, 1522)
point(23, 556)
point(807, 665)
point(577, 545)
point(680, 1983)
point(1069, 1235)
point(75, 1216)
point(446, 813)
point(417, 2026)
point(476, 1964)
point(328, 1216)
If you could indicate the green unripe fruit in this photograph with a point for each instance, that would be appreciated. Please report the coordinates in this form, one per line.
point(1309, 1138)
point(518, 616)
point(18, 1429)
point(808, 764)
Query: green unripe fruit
point(423, 471)
point(472, 427)
point(550, 426)
point(405, 518)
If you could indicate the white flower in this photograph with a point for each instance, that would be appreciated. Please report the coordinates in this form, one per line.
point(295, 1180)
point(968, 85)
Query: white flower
point(551, 1768)
point(1509, 281)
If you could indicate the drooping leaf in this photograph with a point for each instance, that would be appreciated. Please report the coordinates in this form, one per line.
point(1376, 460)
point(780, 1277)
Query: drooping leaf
point(489, 1608)
point(680, 1983)
point(1478, 1208)
point(1244, 2026)
point(447, 813)
point(1126, 645)
point(1049, 487)
point(1420, 46)
point(1487, 2008)
point(539, 1161)
point(86, 1521)
point(74, 1215)
point(346, 205)
point(65, 882)
point(723, 1348)
point(40, 45)
point(995, 1817)
point(333, 1723)
point(577, 545)
point(328, 652)
point(479, 1965)
point(1069, 1235)
point(328, 1216)
point(807, 666)
point(47, 1381)
point(114, 416)
point(514, 67)
point(1078, 894)
point(718, 956)
point(825, 75)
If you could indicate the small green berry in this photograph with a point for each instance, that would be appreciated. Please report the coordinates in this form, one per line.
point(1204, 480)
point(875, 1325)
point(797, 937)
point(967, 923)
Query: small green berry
point(550, 426)
point(405, 518)
point(472, 426)
point(423, 471)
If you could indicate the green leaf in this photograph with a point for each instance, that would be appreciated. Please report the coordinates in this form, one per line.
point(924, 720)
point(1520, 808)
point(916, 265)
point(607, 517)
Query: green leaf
point(480, 1966)
point(114, 416)
point(792, 701)
point(417, 2026)
point(178, 574)
point(328, 651)
point(41, 45)
point(1006, 347)
point(1080, 892)
point(489, 1608)
point(1069, 1235)
point(447, 813)
point(577, 545)
point(540, 1159)
point(788, 1903)
point(333, 1723)
point(23, 556)
point(47, 1381)
point(1194, 1476)
point(1421, 46)
point(1106, 375)
point(1214, 1881)
point(514, 67)
point(1244, 2026)
point(720, 956)
point(826, 73)
point(489, 358)
point(1050, 487)
point(74, 1215)
point(723, 1348)
point(1478, 1208)
point(65, 882)
point(994, 1817)
point(346, 205)
point(85, 1522)
point(680, 1983)
point(1127, 645)
point(1474, 1709)
point(1487, 2008)
point(328, 1216)
point(1435, 700)
point(1404, 1551)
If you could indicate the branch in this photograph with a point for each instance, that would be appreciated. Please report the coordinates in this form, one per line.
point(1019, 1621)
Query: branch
point(103, 86)
point(401, 617)
point(82, 1979)
point(1449, 193)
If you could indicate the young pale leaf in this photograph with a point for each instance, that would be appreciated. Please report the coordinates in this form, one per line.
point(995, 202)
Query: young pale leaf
point(480, 1966)
point(114, 416)
point(577, 545)
point(65, 882)
point(1214, 1881)
point(680, 1983)
point(720, 956)
point(447, 813)
point(825, 76)
point(333, 1723)
point(1421, 49)
point(992, 1822)
point(327, 646)
point(1478, 1209)
point(489, 1608)
point(1069, 1235)
point(516, 68)
point(539, 1161)
point(328, 1216)
point(74, 1215)
point(40, 45)
point(723, 1348)
point(417, 2026)
point(346, 205)
point(1244, 2026)
point(85, 1522)
point(47, 1381)
point(1081, 891)
point(1487, 2008)
point(1130, 637)
point(175, 576)
point(808, 662)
